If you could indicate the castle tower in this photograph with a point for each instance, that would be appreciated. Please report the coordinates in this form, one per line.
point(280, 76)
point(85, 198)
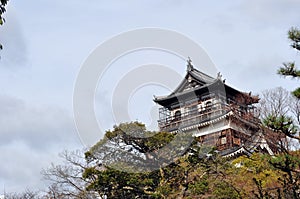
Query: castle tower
point(215, 113)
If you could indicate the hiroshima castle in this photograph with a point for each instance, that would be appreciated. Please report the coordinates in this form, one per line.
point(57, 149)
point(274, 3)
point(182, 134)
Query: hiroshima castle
point(215, 113)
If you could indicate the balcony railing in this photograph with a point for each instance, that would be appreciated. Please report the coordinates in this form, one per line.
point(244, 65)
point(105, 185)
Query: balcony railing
point(192, 117)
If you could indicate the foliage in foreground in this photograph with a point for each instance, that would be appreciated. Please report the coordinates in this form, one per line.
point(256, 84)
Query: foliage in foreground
point(199, 173)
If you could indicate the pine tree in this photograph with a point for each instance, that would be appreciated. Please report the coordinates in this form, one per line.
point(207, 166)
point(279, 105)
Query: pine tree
point(289, 68)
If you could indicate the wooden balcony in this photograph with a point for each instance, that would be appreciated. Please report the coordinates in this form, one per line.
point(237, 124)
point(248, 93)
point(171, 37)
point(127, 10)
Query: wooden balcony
point(193, 117)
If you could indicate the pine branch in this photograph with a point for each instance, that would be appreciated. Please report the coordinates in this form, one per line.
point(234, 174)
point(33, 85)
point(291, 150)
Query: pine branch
point(289, 69)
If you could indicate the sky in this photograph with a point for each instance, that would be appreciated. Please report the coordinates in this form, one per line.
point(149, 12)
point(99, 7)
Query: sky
point(46, 43)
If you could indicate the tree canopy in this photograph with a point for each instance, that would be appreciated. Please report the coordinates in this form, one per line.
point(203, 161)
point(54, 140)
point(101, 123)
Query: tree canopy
point(198, 173)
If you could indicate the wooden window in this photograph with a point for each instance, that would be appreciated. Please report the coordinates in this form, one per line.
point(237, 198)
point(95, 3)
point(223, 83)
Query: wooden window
point(223, 140)
point(177, 115)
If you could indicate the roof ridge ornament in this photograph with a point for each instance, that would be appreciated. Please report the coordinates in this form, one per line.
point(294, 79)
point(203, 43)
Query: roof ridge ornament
point(219, 76)
point(190, 66)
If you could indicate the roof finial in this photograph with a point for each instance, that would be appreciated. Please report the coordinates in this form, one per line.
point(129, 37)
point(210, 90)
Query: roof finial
point(189, 65)
point(219, 76)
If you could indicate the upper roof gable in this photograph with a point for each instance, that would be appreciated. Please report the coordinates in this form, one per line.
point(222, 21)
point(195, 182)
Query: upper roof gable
point(193, 79)
point(196, 81)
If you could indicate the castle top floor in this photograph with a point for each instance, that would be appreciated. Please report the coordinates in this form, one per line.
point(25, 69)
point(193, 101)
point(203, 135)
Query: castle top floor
point(202, 96)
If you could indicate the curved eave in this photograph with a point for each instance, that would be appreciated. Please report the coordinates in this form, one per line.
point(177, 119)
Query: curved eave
point(165, 101)
point(248, 99)
point(201, 77)
point(209, 84)
point(235, 152)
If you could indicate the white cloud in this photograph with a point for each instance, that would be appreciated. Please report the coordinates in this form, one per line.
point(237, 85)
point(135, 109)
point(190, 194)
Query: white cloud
point(269, 13)
point(30, 139)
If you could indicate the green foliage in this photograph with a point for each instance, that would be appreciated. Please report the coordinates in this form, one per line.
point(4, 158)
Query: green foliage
point(286, 162)
point(223, 190)
point(294, 36)
point(199, 173)
point(289, 69)
point(255, 176)
point(282, 124)
point(135, 134)
point(129, 146)
point(126, 142)
point(194, 174)
point(3, 3)
point(135, 129)
point(118, 184)
point(296, 92)
point(199, 187)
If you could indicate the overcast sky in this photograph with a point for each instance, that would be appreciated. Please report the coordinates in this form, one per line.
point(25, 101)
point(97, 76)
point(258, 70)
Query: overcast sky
point(45, 43)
